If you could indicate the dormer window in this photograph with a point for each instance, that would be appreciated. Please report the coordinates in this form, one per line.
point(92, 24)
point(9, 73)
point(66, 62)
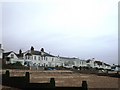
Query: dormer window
point(12, 55)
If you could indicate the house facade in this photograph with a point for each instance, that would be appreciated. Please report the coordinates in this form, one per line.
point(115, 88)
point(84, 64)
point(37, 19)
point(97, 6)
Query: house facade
point(11, 57)
point(70, 62)
point(97, 64)
point(35, 58)
point(40, 58)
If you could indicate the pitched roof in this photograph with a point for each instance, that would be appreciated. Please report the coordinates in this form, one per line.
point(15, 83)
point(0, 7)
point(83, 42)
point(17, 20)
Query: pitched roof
point(36, 53)
point(20, 55)
point(98, 62)
point(46, 54)
point(88, 61)
point(106, 64)
point(39, 53)
point(29, 54)
point(7, 53)
point(67, 58)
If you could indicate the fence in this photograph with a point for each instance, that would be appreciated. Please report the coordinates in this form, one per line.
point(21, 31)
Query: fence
point(23, 82)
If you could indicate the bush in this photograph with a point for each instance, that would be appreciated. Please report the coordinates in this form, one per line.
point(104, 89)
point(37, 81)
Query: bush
point(17, 64)
point(75, 67)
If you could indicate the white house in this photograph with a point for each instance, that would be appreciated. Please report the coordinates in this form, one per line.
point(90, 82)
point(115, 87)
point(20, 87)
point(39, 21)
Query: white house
point(97, 64)
point(90, 63)
point(1, 51)
point(70, 62)
point(115, 67)
point(40, 58)
point(67, 62)
point(81, 63)
point(11, 57)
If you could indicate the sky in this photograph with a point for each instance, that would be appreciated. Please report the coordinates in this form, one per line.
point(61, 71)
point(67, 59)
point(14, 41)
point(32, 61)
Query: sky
point(72, 28)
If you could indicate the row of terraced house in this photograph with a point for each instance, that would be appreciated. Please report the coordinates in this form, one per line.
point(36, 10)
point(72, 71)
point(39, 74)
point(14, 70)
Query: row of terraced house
point(37, 58)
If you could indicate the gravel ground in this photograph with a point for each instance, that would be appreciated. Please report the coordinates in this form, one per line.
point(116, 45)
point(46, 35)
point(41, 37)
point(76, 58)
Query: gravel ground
point(68, 78)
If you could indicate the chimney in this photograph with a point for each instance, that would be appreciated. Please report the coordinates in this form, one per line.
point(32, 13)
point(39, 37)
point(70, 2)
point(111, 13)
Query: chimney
point(32, 49)
point(20, 51)
point(42, 49)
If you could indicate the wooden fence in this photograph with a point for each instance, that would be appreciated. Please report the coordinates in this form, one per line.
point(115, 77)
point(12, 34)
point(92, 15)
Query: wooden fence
point(23, 82)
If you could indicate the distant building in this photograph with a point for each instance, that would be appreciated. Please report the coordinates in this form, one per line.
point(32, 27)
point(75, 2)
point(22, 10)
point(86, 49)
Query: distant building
point(70, 62)
point(1, 51)
point(97, 64)
point(1, 55)
point(115, 67)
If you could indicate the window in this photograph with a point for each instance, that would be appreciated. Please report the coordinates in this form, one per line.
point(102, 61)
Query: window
point(34, 57)
point(8, 58)
point(38, 58)
point(25, 57)
point(12, 55)
point(44, 64)
point(42, 58)
point(52, 59)
point(28, 57)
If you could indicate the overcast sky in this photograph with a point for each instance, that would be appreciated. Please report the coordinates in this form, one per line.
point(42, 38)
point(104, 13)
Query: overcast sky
point(72, 28)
